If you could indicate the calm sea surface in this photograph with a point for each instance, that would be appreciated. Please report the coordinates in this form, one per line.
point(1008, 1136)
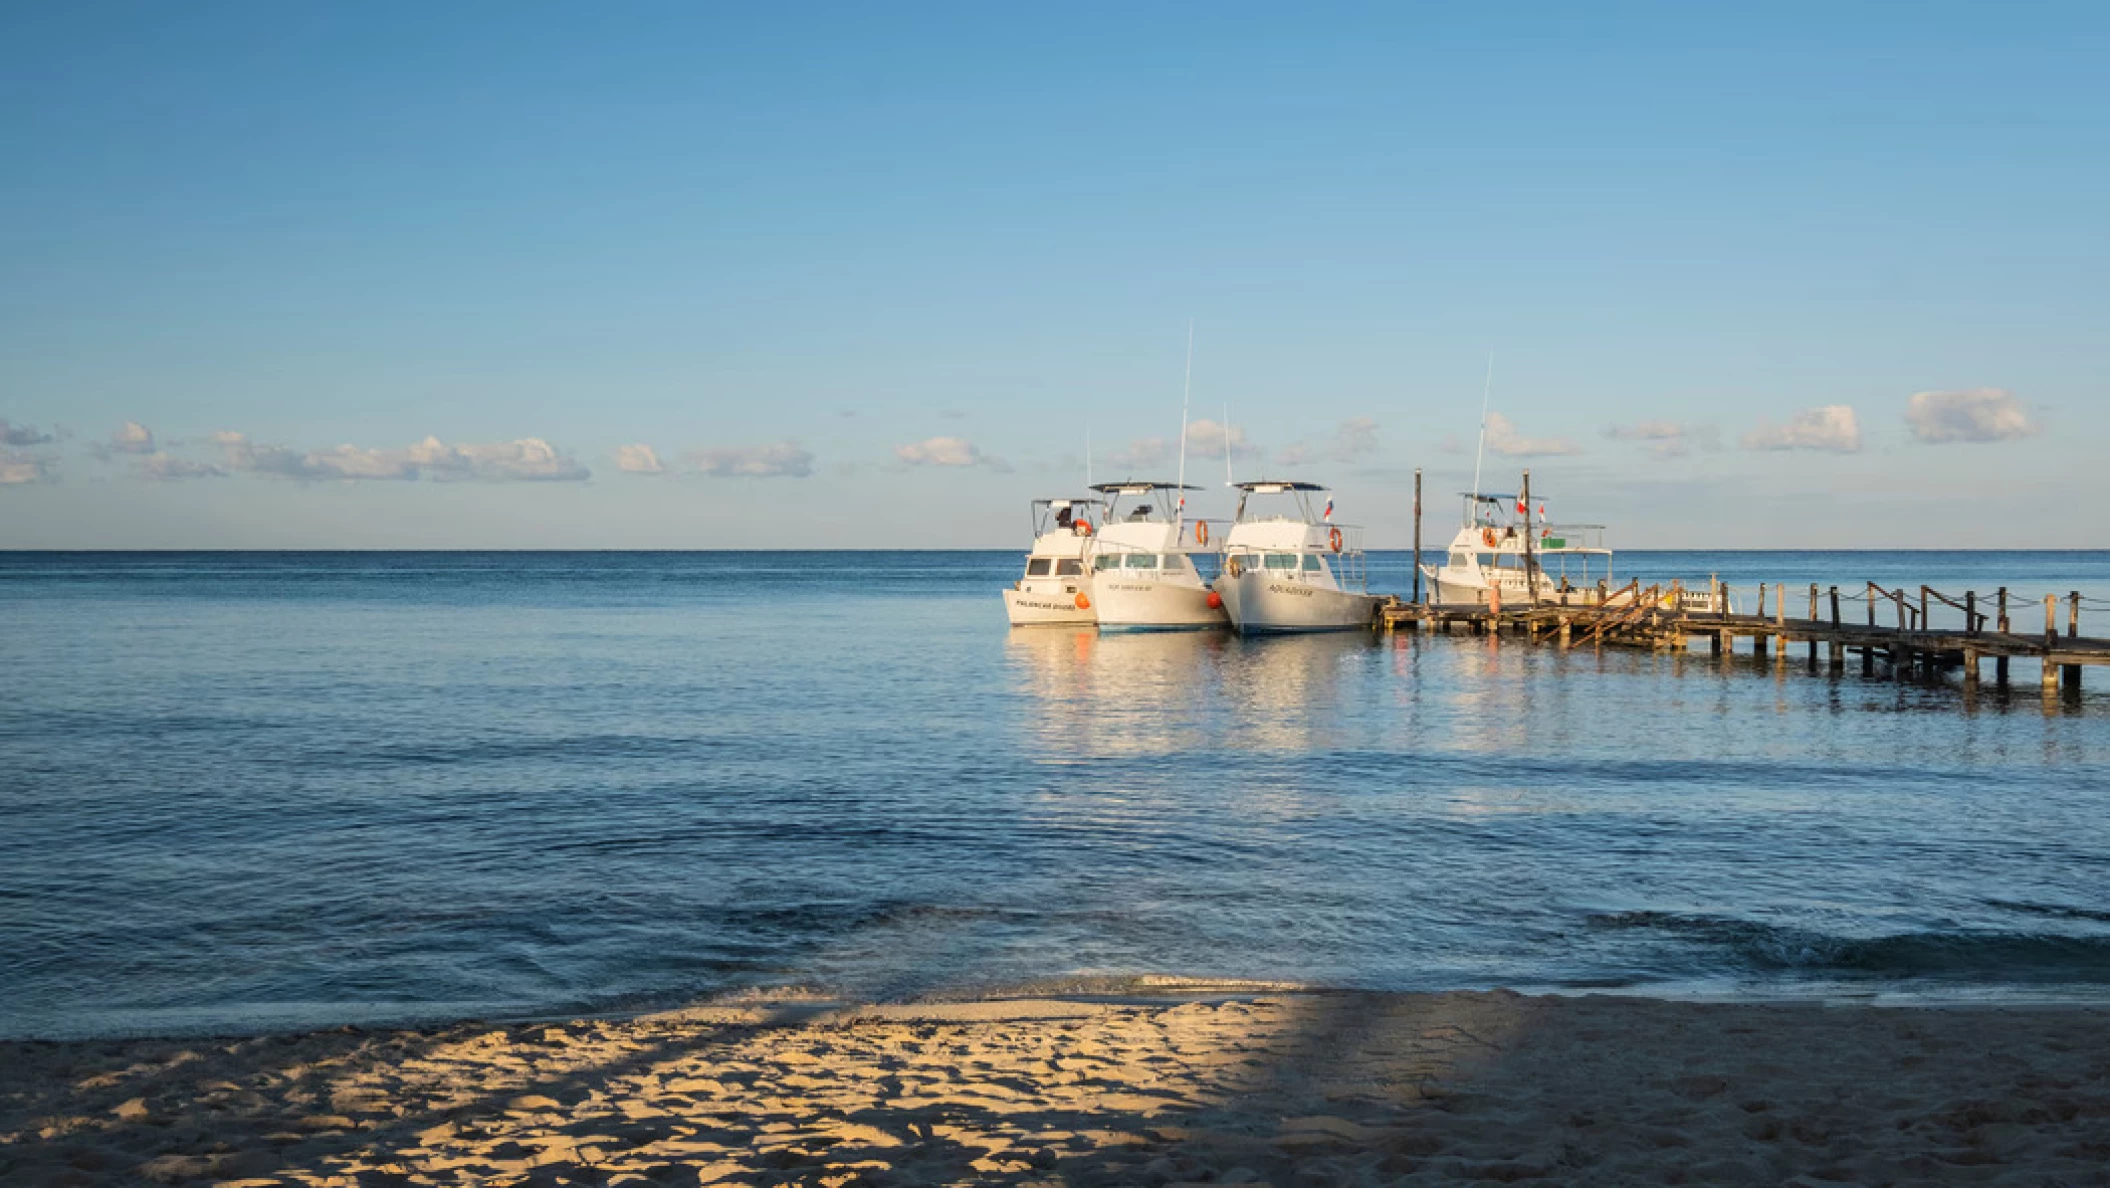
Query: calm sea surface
point(267, 790)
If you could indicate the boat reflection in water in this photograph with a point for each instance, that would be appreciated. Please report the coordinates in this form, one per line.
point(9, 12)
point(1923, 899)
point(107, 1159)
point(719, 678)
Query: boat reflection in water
point(1092, 695)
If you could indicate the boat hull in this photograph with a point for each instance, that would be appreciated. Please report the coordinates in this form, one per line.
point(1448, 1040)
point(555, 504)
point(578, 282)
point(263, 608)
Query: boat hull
point(1029, 608)
point(1127, 605)
point(1259, 604)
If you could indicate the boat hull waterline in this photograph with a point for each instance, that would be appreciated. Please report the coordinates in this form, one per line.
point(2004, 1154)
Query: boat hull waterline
point(1029, 609)
point(1125, 605)
point(1259, 604)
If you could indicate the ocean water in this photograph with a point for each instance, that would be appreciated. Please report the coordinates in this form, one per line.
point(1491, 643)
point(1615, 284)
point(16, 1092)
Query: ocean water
point(244, 791)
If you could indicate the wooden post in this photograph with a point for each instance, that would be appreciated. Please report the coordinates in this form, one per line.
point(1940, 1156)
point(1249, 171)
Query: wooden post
point(1835, 607)
point(1417, 534)
point(1761, 600)
point(1714, 642)
point(1567, 636)
point(1838, 649)
point(2051, 622)
point(2000, 661)
point(1970, 668)
point(2050, 678)
point(1868, 651)
point(1813, 602)
point(1970, 613)
point(1531, 568)
point(1780, 624)
point(1924, 625)
point(2073, 631)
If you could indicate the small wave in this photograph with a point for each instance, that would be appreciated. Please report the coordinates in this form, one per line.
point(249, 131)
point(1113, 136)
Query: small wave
point(2054, 910)
point(1960, 956)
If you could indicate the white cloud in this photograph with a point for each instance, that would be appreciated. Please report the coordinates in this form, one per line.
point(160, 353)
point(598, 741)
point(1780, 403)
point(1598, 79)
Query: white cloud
point(638, 459)
point(784, 459)
point(947, 451)
point(1352, 440)
point(1833, 428)
point(1976, 414)
point(163, 467)
point(22, 435)
point(134, 438)
point(1668, 439)
point(1503, 439)
point(528, 459)
point(20, 469)
point(1205, 438)
point(1141, 454)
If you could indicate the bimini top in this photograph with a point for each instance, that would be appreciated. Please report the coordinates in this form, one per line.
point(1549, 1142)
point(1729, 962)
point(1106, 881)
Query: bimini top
point(1276, 487)
point(1059, 504)
point(1535, 495)
point(1140, 488)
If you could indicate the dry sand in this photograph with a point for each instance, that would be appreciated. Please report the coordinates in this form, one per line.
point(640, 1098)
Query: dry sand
point(1287, 1089)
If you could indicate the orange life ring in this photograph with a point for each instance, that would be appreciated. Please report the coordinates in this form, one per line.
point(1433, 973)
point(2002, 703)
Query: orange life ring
point(1333, 539)
point(1487, 537)
point(1083, 603)
point(1201, 532)
point(1082, 527)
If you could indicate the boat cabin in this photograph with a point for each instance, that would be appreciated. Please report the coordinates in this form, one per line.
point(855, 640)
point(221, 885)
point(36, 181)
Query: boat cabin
point(1286, 529)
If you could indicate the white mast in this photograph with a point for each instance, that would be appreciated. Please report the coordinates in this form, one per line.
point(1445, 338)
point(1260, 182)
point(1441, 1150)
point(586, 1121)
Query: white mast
point(1486, 385)
point(1186, 395)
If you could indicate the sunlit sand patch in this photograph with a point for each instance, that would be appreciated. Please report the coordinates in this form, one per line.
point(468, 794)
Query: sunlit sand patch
point(1297, 1088)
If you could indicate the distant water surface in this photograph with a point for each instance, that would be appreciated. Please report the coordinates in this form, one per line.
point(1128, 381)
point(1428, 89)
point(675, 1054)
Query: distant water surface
point(270, 790)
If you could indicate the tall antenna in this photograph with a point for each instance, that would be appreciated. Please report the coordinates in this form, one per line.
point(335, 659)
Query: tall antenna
point(1186, 395)
point(1486, 385)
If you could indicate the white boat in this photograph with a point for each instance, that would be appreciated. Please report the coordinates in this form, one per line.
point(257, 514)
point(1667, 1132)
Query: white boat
point(1056, 590)
point(1506, 555)
point(1286, 569)
point(1143, 561)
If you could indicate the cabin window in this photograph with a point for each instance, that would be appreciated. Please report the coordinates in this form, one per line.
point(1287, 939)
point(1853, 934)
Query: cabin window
point(1311, 564)
point(1281, 560)
point(1069, 567)
point(1036, 567)
point(1170, 563)
point(1141, 561)
point(1102, 563)
point(1461, 560)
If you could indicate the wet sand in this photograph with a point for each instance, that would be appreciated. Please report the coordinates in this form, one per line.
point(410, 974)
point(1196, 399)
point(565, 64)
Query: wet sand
point(1303, 1089)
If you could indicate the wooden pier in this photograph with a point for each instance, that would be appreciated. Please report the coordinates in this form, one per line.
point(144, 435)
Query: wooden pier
point(1891, 627)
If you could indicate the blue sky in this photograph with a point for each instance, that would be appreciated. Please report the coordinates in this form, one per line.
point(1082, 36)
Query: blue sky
point(412, 275)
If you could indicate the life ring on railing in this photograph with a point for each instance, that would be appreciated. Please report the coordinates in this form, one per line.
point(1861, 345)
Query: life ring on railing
point(1083, 603)
point(1333, 539)
point(1082, 527)
point(1487, 537)
point(1234, 566)
point(1201, 532)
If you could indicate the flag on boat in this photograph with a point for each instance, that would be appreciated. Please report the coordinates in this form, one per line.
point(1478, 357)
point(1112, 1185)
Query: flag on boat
point(1329, 509)
point(1542, 509)
point(1522, 507)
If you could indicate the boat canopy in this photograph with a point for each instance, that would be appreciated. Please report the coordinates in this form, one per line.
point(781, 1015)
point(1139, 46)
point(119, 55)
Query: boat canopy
point(1133, 487)
point(1276, 487)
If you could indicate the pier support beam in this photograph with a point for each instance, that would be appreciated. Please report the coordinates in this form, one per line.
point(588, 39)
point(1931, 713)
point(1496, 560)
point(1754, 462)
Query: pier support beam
point(1838, 656)
point(2051, 677)
point(1970, 668)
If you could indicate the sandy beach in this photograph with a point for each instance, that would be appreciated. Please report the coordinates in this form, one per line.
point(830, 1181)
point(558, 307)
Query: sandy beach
point(1283, 1088)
